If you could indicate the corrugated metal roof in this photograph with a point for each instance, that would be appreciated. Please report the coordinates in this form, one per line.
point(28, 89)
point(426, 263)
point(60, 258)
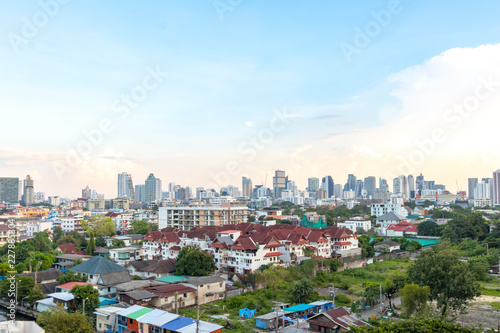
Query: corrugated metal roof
point(299, 307)
point(204, 327)
point(139, 313)
point(153, 318)
point(129, 310)
point(178, 323)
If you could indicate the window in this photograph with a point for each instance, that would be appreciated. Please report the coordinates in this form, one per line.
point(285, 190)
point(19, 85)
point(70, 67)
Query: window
point(185, 294)
point(130, 320)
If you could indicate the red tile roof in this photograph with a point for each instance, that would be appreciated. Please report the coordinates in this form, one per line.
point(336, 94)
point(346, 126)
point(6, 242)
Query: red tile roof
point(403, 226)
point(273, 254)
point(70, 285)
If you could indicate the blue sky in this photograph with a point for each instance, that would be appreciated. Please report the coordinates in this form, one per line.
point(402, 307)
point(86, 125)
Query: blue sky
point(226, 79)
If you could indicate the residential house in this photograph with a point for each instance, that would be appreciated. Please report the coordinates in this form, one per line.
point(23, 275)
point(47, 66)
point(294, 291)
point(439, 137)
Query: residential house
point(402, 229)
point(124, 255)
point(171, 297)
point(334, 321)
point(393, 246)
point(106, 318)
point(102, 271)
point(139, 297)
point(208, 288)
point(356, 223)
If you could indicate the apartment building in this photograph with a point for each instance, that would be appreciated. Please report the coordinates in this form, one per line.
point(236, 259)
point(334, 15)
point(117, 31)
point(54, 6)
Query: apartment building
point(186, 217)
point(355, 223)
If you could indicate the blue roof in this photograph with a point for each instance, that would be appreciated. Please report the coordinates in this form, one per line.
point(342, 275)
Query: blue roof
point(299, 307)
point(97, 265)
point(178, 323)
point(106, 301)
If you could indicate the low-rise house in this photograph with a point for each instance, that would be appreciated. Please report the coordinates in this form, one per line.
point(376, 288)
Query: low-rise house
point(66, 260)
point(356, 223)
point(208, 288)
point(171, 297)
point(137, 285)
point(334, 321)
point(106, 318)
point(384, 221)
point(47, 280)
point(138, 297)
point(68, 249)
point(402, 229)
point(102, 271)
point(393, 246)
point(124, 255)
point(152, 268)
point(62, 299)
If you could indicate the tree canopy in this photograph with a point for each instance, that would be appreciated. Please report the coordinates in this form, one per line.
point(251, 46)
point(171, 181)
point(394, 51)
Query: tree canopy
point(101, 225)
point(414, 326)
point(301, 291)
point(193, 261)
point(91, 296)
point(450, 280)
point(140, 227)
point(58, 320)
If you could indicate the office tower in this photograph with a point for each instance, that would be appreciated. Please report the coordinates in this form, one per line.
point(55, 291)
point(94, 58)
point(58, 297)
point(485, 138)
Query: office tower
point(472, 186)
point(358, 190)
point(125, 186)
point(396, 185)
point(351, 182)
point(279, 183)
point(312, 184)
point(189, 192)
point(140, 193)
point(419, 184)
point(327, 185)
point(247, 187)
point(86, 193)
point(54, 200)
point(429, 185)
point(370, 185)
point(411, 186)
point(403, 183)
point(482, 190)
point(383, 185)
point(29, 191)
point(152, 189)
point(338, 190)
point(9, 190)
point(496, 187)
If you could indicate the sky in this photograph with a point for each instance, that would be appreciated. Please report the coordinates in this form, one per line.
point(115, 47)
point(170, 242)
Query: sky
point(201, 93)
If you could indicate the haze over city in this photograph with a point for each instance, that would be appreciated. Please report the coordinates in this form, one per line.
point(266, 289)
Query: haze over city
point(378, 89)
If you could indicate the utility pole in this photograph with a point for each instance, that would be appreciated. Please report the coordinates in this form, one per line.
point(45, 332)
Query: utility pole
point(333, 295)
point(175, 302)
point(278, 305)
point(197, 314)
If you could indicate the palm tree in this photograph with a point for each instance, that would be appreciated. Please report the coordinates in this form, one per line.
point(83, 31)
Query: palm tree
point(301, 291)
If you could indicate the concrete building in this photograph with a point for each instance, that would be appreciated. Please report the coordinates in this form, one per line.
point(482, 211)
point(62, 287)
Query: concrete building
point(87, 193)
point(355, 223)
point(496, 187)
point(185, 217)
point(472, 186)
point(370, 185)
point(9, 190)
point(152, 189)
point(379, 209)
point(29, 191)
point(125, 186)
point(279, 183)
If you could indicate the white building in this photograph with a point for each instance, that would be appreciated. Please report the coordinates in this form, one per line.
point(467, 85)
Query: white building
point(38, 227)
point(69, 224)
point(379, 209)
point(356, 222)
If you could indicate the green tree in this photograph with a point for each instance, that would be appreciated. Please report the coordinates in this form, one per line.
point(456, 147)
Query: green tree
point(71, 276)
point(414, 298)
point(58, 320)
point(391, 287)
point(25, 285)
point(91, 245)
point(335, 264)
point(301, 291)
point(36, 294)
point(429, 228)
point(480, 266)
point(117, 243)
point(46, 259)
point(57, 234)
point(68, 240)
point(100, 241)
point(140, 227)
point(100, 224)
point(193, 261)
point(87, 293)
point(451, 281)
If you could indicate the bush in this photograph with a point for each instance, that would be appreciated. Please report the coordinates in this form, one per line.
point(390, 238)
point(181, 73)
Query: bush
point(343, 300)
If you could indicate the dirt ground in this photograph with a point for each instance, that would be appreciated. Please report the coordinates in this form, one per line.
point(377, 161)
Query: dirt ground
point(480, 313)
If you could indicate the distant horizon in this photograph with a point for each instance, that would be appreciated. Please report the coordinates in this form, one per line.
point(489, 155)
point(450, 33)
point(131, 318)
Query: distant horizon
point(200, 94)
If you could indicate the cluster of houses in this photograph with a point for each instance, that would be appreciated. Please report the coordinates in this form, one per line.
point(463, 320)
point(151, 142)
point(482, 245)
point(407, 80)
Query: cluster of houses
point(244, 247)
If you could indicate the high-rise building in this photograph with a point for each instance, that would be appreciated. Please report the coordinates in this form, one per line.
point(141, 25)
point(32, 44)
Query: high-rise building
point(279, 183)
point(396, 186)
point(358, 191)
point(312, 184)
point(247, 187)
point(328, 185)
point(496, 187)
point(338, 190)
point(29, 191)
point(351, 182)
point(140, 193)
point(86, 193)
point(419, 184)
point(483, 189)
point(370, 185)
point(472, 186)
point(125, 186)
point(383, 185)
point(9, 190)
point(411, 186)
point(152, 189)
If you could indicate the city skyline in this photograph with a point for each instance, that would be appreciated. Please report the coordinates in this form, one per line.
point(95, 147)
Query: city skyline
point(248, 91)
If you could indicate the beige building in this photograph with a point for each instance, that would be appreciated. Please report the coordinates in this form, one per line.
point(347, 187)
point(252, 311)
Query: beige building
point(120, 203)
point(208, 288)
point(172, 297)
point(95, 204)
point(185, 217)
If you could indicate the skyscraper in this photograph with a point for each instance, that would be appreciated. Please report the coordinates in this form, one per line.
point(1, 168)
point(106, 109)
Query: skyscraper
point(247, 187)
point(29, 191)
point(152, 189)
point(370, 185)
point(125, 186)
point(86, 193)
point(328, 185)
point(140, 193)
point(9, 190)
point(472, 186)
point(279, 183)
point(351, 182)
point(312, 184)
point(359, 188)
point(411, 186)
point(383, 186)
point(419, 183)
point(496, 187)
